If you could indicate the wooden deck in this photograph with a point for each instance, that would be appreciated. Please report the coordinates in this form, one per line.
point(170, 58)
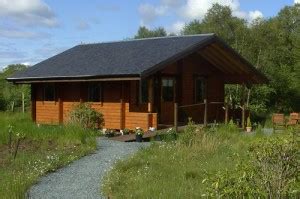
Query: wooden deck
point(131, 137)
point(147, 135)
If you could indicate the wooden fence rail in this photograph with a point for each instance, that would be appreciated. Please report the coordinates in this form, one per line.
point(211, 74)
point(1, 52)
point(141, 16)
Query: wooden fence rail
point(206, 103)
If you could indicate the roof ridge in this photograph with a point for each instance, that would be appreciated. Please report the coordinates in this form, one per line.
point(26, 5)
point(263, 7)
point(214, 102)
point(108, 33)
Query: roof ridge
point(150, 38)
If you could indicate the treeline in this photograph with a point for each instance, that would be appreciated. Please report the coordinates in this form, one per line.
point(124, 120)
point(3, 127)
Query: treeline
point(272, 45)
point(13, 97)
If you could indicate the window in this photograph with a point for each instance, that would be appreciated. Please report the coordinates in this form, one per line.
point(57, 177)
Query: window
point(94, 92)
point(144, 91)
point(168, 90)
point(199, 89)
point(49, 92)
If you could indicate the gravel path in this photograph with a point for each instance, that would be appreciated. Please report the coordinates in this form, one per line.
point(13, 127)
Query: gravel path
point(82, 178)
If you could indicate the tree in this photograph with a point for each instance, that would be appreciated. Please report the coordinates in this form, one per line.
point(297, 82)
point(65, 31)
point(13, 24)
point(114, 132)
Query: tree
point(10, 94)
point(144, 32)
point(270, 45)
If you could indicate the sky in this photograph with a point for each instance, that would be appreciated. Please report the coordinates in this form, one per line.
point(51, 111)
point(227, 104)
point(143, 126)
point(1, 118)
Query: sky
point(34, 30)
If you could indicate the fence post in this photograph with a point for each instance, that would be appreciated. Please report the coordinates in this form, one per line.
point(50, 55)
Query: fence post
point(176, 117)
point(205, 113)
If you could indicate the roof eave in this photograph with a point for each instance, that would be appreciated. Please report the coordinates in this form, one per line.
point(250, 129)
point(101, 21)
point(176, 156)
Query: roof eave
point(28, 80)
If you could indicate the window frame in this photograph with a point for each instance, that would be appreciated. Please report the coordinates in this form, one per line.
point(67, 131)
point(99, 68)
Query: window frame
point(204, 89)
point(92, 86)
point(173, 88)
point(45, 97)
point(144, 89)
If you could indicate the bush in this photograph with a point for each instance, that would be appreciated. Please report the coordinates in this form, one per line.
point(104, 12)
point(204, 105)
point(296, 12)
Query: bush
point(187, 137)
point(276, 163)
point(87, 117)
point(271, 171)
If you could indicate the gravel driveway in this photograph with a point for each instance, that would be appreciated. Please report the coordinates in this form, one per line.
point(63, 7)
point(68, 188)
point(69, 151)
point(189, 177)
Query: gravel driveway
point(82, 178)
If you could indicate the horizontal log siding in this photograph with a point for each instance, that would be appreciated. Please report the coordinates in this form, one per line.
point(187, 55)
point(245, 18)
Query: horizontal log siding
point(72, 93)
point(47, 112)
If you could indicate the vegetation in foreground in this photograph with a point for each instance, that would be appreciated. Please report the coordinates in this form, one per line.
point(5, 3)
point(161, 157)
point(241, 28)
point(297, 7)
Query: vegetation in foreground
point(214, 163)
point(41, 149)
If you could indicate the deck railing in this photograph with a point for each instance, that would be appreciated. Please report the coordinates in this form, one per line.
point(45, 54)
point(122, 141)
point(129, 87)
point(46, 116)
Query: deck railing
point(205, 105)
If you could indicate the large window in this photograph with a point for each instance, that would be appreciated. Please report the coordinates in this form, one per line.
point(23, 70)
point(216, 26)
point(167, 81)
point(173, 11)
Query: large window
point(168, 89)
point(94, 92)
point(49, 92)
point(200, 89)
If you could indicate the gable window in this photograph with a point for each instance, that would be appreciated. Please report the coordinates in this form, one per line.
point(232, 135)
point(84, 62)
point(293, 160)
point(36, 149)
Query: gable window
point(168, 89)
point(49, 92)
point(200, 89)
point(94, 92)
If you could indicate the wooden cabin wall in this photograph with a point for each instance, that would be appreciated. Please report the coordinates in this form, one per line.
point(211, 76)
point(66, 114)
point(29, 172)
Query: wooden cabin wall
point(119, 105)
point(191, 67)
point(46, 112)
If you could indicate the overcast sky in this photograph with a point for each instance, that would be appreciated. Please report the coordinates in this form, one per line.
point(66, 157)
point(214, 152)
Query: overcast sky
point(33, 30)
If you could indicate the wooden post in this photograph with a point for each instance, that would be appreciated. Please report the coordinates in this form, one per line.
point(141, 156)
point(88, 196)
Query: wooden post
point(243, 106)
point(33, 103)
point(122, 107)
point(176, 117)
point(243, 116)
point(226, 113)
point(205, 112)
point(23, 102)
point(60, 110)
point(58, 93)
point(150, 96)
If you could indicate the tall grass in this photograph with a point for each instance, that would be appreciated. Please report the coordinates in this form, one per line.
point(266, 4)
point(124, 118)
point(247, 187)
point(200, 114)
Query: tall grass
point(180, 168)
point(44, 149)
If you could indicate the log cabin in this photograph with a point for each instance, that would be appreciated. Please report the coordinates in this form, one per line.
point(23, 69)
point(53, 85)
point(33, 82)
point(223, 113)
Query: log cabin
point(136, 83)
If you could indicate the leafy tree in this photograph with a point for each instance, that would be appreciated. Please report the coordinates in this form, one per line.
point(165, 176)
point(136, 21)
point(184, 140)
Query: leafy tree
point(144, 32)
point(270, 45)
point(10, 94)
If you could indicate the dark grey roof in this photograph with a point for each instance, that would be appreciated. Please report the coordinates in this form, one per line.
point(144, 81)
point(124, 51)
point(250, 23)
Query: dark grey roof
point(123, 58)
point(133, 58)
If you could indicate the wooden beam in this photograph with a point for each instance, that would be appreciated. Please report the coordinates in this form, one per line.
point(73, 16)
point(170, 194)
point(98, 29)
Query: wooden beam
point(29, 81)
point(33, 102)
point(230, 58)
point(150, 95)
point(215, 62)
point(225, 62)
point(176, 117)
point(60, 103)
point(205, 112)
point(122, 106)
point(226, 113)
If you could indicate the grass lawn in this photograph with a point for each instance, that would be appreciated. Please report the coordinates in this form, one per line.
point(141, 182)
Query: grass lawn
point(200, 167)
point(43, 150)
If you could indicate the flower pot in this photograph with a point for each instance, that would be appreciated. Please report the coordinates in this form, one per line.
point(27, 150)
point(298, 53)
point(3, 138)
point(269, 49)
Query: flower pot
point(138, 138)
point(248, 129)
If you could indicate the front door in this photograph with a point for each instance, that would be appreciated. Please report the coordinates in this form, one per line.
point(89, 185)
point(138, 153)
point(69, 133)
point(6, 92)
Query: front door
point(167, 100)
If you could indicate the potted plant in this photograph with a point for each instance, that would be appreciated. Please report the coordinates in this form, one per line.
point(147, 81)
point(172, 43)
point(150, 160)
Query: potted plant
point(249, 126)
point(109, 133)
point(139, 134)
point(126, 131)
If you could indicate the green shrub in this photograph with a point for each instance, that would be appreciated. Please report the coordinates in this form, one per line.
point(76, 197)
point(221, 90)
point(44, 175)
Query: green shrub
point(126, 131)
point(277, 164)
point(189, 133)
point(271, 171)
point(85, 116)
point(249, 122)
